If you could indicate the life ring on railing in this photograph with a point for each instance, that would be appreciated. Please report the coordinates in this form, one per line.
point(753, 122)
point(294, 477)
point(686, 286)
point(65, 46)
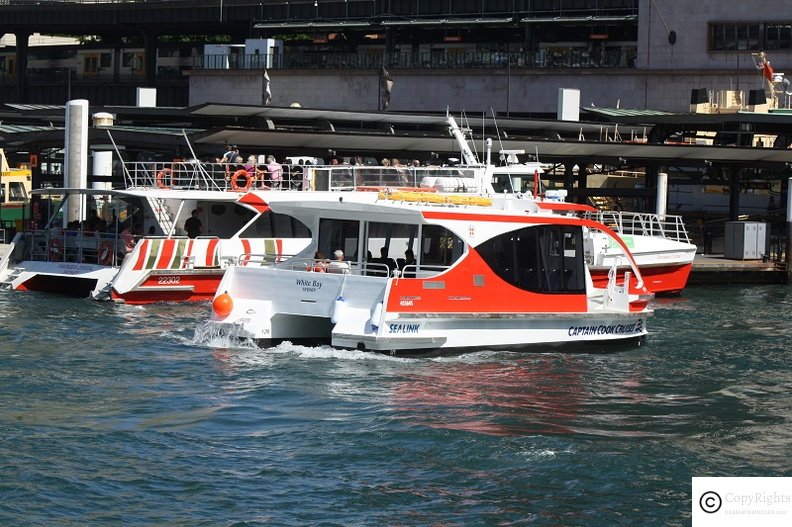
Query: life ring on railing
point(161, 175)
point(104, 254)
point(56, 250)
point(235, 183)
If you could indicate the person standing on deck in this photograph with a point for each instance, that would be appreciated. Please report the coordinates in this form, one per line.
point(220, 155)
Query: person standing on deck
point(193, 225)
point(275, 170)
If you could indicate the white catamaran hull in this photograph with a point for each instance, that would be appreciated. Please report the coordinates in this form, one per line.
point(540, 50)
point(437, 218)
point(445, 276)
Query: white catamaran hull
point(273, 305)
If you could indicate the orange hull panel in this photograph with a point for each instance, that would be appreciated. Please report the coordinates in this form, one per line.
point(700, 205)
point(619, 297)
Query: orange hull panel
point(172, 287)
point(662, 280)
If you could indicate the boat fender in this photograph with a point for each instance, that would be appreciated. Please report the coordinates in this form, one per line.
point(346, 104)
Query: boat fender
point(241, 173)
point(338, 310)
point(222, 305)
point(376, 315)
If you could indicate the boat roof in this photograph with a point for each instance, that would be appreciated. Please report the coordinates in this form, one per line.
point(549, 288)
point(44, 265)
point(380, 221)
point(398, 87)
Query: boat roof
point(381, 207)
point(197, 195)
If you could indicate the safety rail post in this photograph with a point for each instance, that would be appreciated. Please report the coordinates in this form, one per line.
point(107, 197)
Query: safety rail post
point(789, 229)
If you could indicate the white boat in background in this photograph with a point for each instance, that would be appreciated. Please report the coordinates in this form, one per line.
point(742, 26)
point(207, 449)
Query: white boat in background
point(485, 276)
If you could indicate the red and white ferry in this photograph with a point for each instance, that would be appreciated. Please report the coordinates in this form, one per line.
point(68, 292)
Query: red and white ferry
point(81, 259)
point(483, 277)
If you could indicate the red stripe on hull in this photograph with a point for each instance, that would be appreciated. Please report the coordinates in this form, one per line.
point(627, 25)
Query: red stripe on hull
point(662, 280)
point(210, 252)
point(141, 256)
point(204, 287)
point(168, 246)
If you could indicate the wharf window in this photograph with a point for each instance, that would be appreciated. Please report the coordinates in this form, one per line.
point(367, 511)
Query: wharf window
point(736, 37)
point(543, 259)
point(778, 36)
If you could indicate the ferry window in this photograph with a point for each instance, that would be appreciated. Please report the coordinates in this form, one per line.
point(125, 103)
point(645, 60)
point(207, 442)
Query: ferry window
point(501, 184)
point(394, 238)
point(272, 225)
point(545, 259)
point(16, 191)
point(440, 247)
point(339, 234)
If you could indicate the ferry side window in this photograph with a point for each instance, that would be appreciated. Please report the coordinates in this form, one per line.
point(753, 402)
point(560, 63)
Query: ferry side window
point(546, 259)
point(16, 191)
point(440, 246)
point(339, 234)
point(574, 272)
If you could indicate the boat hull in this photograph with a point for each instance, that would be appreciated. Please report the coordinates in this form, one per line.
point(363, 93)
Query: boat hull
point(345, 311)
point(659, 279)
point(71, 279)
point(172, 286)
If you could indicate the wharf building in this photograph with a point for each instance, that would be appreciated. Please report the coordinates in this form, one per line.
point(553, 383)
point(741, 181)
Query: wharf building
point(495, 56)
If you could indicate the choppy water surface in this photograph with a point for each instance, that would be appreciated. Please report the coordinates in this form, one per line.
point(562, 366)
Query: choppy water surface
point(116, 415)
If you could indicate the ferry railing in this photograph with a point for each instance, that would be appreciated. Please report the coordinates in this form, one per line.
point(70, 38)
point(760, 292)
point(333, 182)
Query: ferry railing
point(351, 177)
point(195, 175)
point(74, 246)
point(643, 224)
point(377, 269)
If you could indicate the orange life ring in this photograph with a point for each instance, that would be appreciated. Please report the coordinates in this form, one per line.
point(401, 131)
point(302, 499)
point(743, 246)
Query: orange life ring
point(161, 175)
point(56, 250)
point(241, 173)
point(104, 254)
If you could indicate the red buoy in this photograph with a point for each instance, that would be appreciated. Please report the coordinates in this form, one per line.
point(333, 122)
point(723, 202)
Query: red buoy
point(222, 305)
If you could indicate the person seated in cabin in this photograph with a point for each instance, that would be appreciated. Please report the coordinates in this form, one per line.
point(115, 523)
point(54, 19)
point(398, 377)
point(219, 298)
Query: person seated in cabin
point(338, 265)
point(385, 260)
point(193, 225)
point(319, 263)
point(92, 223)
point(275, 170)
point(408, 260)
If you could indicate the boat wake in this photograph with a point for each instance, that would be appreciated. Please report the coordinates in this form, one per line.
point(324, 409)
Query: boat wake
point(212, 336)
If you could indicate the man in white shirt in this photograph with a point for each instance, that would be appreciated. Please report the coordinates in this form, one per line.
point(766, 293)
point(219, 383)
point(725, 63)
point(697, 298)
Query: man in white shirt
point(338, 265)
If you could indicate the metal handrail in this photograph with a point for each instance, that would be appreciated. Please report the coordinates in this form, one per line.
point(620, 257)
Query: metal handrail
point(668, 226)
